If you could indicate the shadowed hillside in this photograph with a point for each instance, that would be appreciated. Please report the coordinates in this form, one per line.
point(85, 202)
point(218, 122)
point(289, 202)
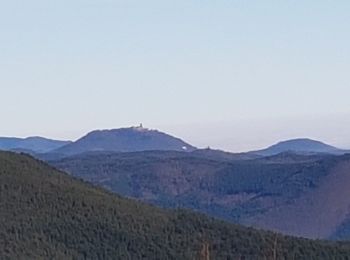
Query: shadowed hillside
point(45, 214)
point(303, 195)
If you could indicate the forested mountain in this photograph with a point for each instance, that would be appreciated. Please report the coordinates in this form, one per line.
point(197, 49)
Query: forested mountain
point(303, 195)
point(31, 144)
point(301, 146)
point(46, 214)
point(125, 140)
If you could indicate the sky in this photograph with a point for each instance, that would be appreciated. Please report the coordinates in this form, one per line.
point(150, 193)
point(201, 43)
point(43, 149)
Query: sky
point(230, 74)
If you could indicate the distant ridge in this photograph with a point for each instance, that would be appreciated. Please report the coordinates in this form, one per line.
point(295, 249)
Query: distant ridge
point(34, 144)
point(301, 146)
point(223, 155)
point(301, 195)
point(130, 139)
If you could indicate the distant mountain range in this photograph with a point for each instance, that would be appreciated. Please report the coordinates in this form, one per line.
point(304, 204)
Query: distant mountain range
point(135, 139)
point(283, 187)
point(46, 214)
point(300, 146)
point(131, 139)
point(31, 144)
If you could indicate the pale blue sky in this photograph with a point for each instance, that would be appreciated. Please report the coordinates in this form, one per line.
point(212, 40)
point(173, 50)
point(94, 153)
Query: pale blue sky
point(230, 74)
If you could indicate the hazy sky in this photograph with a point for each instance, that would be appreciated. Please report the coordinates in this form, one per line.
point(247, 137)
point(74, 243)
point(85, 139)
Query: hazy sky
point(231, 74)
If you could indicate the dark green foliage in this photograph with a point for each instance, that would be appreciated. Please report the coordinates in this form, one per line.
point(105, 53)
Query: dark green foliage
point(46, 214)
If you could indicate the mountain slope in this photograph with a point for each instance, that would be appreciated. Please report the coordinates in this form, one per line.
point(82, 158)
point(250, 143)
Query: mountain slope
point(285, 192)
point(306, 146)
point(45, 214)
point(319, 211)
point(30, 144)
point(125, 140)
